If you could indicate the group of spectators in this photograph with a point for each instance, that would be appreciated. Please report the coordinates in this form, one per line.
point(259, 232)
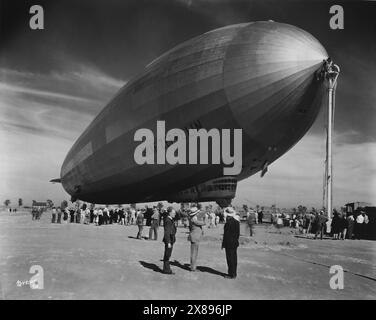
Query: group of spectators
point(350, 226)
point(36, 213)
point(94, 215)
point(341, 226)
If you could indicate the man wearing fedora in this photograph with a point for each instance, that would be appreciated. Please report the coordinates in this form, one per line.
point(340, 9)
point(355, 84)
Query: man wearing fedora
point(195, 234)
point(169, 239)
point(230, 240)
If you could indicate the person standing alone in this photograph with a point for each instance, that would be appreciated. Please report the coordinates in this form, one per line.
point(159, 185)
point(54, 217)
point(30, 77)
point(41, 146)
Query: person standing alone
point(230, 242)
point(168, 239)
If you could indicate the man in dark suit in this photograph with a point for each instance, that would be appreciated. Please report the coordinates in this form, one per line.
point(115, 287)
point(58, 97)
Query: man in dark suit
point(230, 241)
point(169, 239)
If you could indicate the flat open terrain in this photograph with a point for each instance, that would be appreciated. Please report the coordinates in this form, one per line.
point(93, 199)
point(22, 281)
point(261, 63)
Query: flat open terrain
point(107, 262)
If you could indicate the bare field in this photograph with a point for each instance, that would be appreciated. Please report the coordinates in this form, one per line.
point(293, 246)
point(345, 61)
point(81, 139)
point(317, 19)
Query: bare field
point(107, 262)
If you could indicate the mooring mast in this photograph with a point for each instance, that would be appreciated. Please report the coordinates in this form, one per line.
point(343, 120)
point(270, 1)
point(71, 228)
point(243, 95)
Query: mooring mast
point(331, 74)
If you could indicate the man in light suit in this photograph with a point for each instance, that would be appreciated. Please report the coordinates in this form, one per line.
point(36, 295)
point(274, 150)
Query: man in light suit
point(154, 224)
point(195, 234)
point(169, 239)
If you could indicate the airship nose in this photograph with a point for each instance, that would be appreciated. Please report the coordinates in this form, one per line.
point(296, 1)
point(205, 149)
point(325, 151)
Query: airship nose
point(268, 69)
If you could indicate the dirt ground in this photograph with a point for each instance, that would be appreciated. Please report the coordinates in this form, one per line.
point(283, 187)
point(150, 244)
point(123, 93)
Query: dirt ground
point(107, 262)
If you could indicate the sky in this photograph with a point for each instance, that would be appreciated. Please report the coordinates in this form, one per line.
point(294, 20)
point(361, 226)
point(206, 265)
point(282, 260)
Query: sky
point(54, 81)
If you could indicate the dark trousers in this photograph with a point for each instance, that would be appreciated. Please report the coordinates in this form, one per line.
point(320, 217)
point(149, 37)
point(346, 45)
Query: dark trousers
point(232, 261)
point(358, 230)
point(59, 217)
point(194, 254)
point(166, 258)
point(153, 229)
point(350, 230)
point(53, 218)
point(139, 234)
point(319, 231)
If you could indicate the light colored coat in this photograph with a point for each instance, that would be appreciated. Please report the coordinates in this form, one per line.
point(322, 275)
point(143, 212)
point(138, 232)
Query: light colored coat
point(195, 227)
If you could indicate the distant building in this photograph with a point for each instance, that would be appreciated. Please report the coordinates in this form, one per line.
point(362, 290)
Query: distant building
point(40, 205)
point(353, 206)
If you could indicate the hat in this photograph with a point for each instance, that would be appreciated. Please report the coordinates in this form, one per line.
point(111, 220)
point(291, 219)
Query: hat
point(230, 211)
point(193, 211)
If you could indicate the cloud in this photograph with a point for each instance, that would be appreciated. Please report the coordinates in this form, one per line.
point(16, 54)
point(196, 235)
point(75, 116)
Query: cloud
point(60, 103)
point(41, 116)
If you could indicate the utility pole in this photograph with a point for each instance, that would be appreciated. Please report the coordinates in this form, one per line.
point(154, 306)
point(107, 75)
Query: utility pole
point(332, 72)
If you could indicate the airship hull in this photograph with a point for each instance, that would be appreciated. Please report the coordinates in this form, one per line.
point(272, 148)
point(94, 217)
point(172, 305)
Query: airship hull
point(260, 77)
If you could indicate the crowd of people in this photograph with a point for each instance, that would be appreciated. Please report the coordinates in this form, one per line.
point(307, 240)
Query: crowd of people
point(350, 226)
point(94, 215)
point(341, 226)
point(154, 216)
point(36, 213)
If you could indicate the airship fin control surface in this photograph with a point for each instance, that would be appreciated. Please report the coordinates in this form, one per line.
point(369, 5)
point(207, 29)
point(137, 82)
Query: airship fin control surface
point(260, 77)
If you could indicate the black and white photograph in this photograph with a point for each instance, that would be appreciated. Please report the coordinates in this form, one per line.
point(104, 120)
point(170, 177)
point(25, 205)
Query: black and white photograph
point(187, 150)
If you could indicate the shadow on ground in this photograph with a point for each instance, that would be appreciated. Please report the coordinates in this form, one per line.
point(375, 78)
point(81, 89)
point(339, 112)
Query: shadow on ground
point(151, 266)
point(143, 238)
point(186, 267)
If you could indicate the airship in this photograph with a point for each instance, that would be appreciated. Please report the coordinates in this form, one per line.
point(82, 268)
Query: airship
point(261, 77)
